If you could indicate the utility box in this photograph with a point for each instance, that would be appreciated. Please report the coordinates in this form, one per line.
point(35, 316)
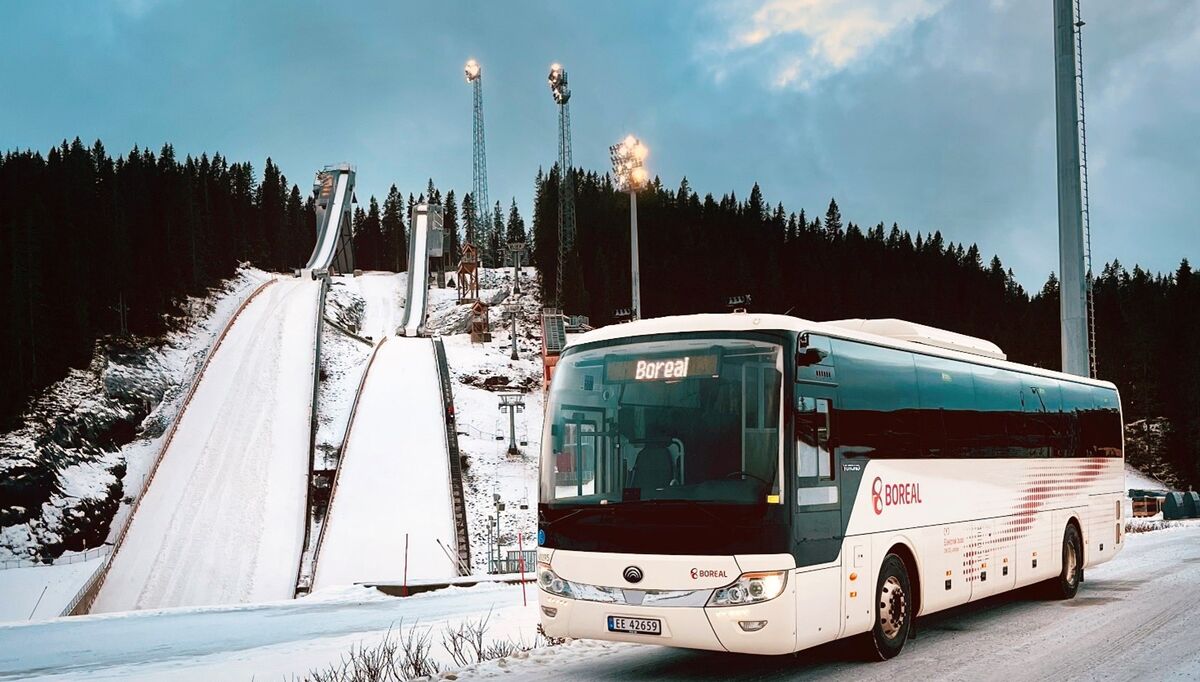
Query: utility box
point(1191, 504)
point(1174, 507)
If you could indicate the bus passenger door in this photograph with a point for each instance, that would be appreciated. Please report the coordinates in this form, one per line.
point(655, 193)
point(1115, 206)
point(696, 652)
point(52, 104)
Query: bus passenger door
point(817, 525)
point(817, 522)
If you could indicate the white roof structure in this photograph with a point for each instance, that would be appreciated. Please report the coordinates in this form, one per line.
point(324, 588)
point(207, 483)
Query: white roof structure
point(919, 333)
point(891, 333)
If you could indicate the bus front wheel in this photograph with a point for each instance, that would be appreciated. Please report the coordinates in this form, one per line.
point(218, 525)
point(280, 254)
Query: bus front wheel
point(893, 610)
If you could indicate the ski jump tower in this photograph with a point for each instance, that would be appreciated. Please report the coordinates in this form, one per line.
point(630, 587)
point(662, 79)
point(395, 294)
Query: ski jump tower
point(333, 192)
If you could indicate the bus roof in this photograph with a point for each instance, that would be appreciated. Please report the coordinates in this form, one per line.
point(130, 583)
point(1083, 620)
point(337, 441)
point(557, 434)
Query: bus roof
point(982, 352)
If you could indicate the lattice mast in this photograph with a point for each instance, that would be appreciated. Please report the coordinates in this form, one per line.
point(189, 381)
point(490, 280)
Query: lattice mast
point(566, 168)
point(1083, 180)
point(474, 74)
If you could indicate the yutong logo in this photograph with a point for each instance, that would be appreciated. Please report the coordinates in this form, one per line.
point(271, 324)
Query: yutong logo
point(893, 494)
point(698, 573)
point(633, 574)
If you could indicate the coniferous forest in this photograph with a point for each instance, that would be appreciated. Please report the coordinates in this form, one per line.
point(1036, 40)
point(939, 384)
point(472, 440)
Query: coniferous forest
point(84, 236)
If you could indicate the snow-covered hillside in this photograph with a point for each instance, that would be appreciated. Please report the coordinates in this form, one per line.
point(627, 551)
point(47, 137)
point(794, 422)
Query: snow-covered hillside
point(85, 443)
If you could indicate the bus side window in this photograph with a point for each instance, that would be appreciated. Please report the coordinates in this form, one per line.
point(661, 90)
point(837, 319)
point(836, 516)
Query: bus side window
point(813, 458)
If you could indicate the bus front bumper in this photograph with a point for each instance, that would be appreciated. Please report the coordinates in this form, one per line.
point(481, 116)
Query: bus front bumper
point(764, 628)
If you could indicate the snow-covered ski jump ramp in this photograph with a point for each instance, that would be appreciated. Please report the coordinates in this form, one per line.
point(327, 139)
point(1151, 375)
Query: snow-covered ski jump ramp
point(223, 519)
point(333, 193)
point(393, 479)
point(426, 237)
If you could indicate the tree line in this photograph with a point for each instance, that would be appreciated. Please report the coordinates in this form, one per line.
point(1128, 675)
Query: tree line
point(696, 253)
point(92, 246)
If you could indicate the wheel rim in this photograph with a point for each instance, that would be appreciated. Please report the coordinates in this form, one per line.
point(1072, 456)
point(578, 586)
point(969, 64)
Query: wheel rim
point(1072, 562)
point(893, 606)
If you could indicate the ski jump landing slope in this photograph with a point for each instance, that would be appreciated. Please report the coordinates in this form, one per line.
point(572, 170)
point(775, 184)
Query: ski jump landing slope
point(223, 520)
point(393, 477)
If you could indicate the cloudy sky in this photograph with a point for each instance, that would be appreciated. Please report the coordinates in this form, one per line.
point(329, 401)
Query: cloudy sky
point(937, 114)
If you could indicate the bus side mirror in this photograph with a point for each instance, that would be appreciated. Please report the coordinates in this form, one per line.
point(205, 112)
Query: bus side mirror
point(809, 356)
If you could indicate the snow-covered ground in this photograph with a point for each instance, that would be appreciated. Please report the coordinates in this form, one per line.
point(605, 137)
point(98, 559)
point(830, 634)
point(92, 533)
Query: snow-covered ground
point(393, 481)
point(480, 373)
point(1136, 480)
point(41, 592)
point(1134, 618)
point(222, 521)
point(262, 641)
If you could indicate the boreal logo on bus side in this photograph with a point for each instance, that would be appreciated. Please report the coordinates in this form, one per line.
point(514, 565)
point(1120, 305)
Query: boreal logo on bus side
point(893, 494)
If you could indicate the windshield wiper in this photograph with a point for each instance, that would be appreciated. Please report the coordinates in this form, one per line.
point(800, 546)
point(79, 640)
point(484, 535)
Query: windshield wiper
point(576, 512)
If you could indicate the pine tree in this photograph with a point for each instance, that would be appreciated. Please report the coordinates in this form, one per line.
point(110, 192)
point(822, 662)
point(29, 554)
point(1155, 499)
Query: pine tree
point(833, 220)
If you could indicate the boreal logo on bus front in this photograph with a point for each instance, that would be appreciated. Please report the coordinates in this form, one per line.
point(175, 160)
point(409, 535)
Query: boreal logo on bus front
point(893, 494)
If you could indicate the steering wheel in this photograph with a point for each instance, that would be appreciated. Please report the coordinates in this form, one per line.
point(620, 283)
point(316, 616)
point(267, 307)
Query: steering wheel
point(747, 474)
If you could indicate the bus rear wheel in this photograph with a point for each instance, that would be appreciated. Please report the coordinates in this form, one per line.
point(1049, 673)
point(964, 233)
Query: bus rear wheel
point(1067, 583)
point(893, 610)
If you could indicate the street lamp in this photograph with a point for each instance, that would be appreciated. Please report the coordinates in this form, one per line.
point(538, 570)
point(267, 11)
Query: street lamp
point(629, 169)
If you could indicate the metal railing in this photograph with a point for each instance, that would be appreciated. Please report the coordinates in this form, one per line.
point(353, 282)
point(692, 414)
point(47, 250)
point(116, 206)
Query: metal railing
point(66, 559)
point(313, 423)
point(511, 563)
point(304, 581)
point(458, 499)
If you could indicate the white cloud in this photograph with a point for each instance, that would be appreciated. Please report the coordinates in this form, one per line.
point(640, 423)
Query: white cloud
point(797, 43)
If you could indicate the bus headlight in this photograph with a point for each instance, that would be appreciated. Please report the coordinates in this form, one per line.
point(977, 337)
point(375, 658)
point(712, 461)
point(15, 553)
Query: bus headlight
point(750, 588)
point(549, 581)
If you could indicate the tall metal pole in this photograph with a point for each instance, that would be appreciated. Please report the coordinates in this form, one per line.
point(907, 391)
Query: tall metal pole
point(514, 335)
point(474, 73)
point(1072, 281)
point(633, 256)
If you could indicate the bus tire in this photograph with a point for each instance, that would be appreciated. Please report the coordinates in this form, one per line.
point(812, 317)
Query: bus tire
point(893, 610)
point(1066, 585)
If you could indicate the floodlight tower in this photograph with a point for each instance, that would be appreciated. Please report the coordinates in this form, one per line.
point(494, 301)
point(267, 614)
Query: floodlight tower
point(474, 74)
point(566, 169)
point(1077, 313)
point(629, 170)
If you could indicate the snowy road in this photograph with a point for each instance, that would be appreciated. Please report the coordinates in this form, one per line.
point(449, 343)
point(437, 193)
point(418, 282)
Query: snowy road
point(394, 477)
point(1135, 618)
point(223, 520)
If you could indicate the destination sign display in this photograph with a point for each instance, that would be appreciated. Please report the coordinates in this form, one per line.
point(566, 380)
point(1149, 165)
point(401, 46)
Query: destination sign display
point(662, 368)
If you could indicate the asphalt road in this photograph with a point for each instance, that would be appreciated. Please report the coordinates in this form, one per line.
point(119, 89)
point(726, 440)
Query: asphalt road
point(1136, 617)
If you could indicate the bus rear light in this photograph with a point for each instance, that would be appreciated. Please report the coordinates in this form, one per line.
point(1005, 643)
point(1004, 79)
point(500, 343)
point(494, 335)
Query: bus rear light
point(752, 625)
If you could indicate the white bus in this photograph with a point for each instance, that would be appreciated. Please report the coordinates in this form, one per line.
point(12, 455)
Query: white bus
point(763, 484)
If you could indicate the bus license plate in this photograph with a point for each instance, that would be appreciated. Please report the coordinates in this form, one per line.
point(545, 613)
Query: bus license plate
point(641, 626)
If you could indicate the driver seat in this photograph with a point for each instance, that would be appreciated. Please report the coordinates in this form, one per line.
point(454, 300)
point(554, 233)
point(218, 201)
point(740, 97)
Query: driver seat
point(653, 468)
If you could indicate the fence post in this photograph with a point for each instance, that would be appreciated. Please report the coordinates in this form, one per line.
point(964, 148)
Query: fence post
point(521, 562)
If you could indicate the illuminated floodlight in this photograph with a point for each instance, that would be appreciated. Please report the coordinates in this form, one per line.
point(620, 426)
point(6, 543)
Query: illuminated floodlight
point(472, 70)
point(628, 160)
point(558, 84)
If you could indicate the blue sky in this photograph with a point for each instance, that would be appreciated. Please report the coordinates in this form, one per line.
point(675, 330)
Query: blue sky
point(937, 114)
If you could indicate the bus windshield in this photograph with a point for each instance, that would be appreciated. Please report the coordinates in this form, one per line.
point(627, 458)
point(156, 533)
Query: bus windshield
point(690, 419)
